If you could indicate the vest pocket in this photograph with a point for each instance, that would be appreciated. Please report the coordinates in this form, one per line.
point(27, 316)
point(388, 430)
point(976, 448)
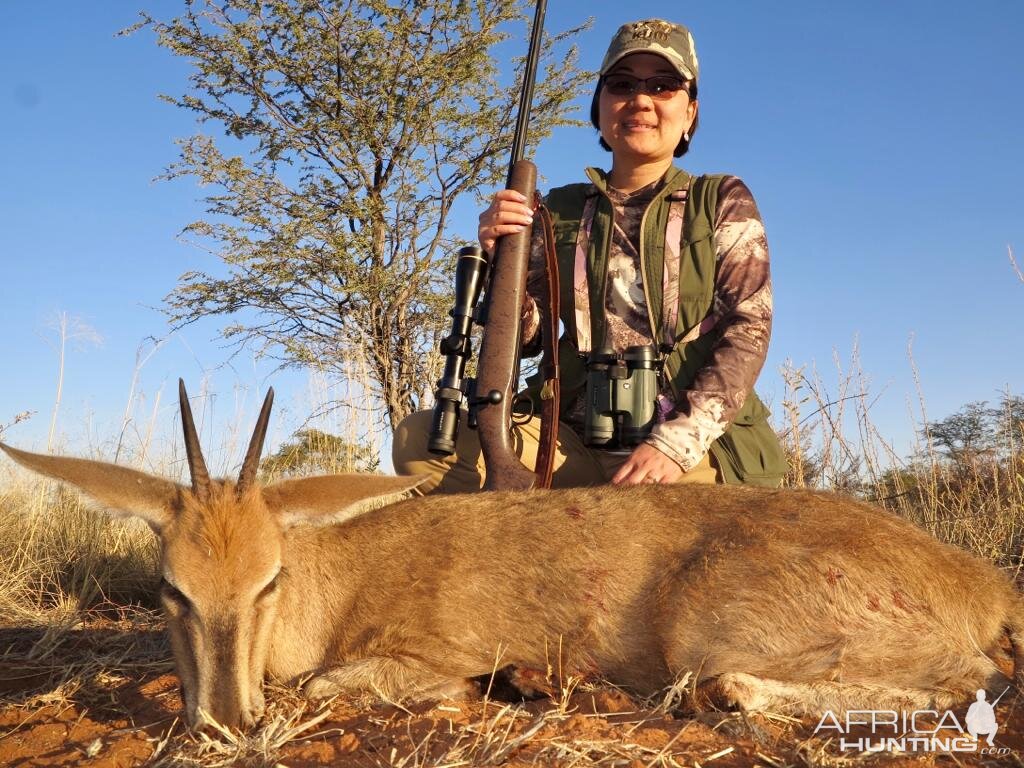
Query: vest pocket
point(750, 453)
point(565, 231)
point(696, 280)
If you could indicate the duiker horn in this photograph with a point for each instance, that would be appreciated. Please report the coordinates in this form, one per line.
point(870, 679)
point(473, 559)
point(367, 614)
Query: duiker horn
point(247, 477)
point(196, 465)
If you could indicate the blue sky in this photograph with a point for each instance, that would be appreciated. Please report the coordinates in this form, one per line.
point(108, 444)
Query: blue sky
point(881, 140)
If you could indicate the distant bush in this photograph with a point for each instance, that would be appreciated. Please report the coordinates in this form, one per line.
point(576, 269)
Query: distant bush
point(315, 452)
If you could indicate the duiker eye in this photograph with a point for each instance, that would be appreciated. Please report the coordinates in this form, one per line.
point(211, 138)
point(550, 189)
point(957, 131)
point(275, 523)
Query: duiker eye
point(270, 589)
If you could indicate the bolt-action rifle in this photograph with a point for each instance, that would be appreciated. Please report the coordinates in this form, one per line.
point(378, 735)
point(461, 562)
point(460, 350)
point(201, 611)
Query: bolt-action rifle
point(490, 397)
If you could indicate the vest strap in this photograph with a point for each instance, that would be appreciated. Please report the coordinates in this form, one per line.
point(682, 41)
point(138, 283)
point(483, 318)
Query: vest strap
point(670, 269)
point(580, 282)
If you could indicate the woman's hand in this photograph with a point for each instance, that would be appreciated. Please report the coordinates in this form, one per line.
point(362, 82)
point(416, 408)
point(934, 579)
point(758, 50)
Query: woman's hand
point(507, 214)
point(647, 465)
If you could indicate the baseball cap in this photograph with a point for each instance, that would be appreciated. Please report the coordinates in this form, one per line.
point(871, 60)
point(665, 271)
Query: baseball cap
point(673, 42)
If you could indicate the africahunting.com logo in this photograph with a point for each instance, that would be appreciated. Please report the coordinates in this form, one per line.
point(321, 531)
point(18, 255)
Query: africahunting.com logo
point(925, 730)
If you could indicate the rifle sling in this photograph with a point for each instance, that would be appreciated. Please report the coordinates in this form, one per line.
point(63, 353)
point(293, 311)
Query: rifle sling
point(551, 392)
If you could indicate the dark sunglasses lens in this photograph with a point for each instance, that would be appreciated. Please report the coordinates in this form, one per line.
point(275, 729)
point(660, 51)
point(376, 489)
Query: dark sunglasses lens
point(667, 85)
point(621, 85)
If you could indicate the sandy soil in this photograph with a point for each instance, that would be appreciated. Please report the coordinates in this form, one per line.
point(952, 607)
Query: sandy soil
point(104, 694)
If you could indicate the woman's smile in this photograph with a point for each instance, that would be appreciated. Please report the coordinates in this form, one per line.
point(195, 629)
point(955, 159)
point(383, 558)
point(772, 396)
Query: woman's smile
point(643, 127)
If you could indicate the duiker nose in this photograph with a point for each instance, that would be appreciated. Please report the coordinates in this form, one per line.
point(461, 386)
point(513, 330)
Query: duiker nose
point(243, 721)
point(230, 715)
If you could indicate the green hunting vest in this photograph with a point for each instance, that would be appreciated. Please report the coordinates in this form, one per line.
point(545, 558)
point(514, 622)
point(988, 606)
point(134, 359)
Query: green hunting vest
point(748, 451)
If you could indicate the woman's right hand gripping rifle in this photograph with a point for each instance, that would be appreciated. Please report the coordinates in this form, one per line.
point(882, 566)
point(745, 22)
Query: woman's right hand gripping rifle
point(507, 214)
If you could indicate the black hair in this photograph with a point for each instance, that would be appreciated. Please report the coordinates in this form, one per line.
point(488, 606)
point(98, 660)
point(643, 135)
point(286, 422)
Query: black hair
point(684, 145)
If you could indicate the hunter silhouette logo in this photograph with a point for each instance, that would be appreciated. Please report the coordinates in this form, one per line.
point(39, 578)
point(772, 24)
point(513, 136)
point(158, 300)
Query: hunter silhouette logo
point(981, 718)
point(647, 30)
point(924, 730)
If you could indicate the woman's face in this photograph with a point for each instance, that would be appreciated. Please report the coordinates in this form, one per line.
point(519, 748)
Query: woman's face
point(641, 128)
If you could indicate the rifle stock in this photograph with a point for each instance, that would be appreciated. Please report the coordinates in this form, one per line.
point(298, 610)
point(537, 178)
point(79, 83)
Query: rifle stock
point(498, 370)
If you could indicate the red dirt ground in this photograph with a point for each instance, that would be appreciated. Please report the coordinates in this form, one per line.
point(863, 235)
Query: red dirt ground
point(58, 710)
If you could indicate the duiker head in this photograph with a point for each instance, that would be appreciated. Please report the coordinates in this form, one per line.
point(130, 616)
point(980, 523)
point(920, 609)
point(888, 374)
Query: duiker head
point(220, 561)
point(222, 547)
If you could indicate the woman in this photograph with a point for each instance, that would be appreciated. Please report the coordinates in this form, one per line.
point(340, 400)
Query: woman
point(656, 257)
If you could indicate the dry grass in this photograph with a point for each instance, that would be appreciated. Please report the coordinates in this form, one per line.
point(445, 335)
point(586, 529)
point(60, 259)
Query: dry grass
point(975, 502)
point(61, 557)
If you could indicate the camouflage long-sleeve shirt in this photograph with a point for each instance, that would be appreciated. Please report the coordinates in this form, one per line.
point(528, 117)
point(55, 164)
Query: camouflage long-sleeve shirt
point(741, 313)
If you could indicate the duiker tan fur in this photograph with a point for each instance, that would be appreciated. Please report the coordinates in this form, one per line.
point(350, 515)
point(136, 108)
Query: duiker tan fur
point(772, 599)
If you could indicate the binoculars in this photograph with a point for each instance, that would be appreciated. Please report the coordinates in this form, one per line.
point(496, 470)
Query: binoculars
point(622, 396)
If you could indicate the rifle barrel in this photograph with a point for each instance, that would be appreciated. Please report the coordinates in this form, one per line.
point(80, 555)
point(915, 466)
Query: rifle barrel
point(526, 94)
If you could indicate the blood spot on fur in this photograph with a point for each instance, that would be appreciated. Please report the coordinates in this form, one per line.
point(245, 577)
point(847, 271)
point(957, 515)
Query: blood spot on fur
point(595, 579)
point(592, 599)
point(574, 512)
point(900, 601)
point(874, 604)
point(833, 575)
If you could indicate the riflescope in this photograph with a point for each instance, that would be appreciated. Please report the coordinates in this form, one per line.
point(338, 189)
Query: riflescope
point(452, 388)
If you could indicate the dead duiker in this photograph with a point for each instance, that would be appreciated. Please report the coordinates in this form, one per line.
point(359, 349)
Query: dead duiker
point(783, 599)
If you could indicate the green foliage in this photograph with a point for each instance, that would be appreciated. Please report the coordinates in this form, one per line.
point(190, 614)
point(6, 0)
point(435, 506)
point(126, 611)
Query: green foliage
point(977, 430)
point(351, 129)
point(316, 452)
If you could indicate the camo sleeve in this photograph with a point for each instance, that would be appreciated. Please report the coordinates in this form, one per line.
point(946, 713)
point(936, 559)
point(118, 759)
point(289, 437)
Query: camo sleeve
point(741, 314)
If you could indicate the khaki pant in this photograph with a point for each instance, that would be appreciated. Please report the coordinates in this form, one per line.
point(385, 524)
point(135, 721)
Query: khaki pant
point(463, 472)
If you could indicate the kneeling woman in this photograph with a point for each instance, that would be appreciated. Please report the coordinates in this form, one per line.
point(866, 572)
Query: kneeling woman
point(659, 259)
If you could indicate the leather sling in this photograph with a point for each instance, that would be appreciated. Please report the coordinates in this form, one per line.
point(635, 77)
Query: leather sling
point(550, 394)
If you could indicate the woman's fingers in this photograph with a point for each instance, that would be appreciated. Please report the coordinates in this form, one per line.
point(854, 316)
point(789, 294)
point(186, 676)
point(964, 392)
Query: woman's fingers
point(509, 196)
point(507, 214)
point(647, 465)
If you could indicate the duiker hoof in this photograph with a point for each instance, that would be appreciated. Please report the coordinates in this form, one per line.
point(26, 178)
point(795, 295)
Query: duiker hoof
point(320, 688)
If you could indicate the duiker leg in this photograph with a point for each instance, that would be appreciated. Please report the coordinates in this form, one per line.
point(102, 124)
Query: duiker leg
point(390, 678)
point(748, 692)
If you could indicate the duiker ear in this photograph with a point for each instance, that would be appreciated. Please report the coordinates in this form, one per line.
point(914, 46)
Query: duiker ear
point(119, 488)
point(332, 498)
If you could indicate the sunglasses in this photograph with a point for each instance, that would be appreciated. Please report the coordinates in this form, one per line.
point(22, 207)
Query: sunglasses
point(657, 87)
